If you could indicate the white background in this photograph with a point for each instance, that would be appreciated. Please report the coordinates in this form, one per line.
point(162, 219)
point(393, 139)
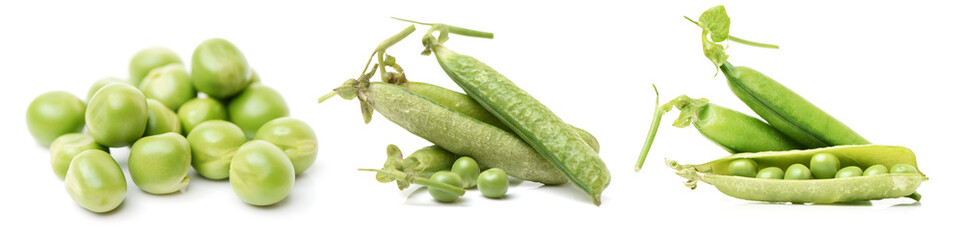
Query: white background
point(890, 70)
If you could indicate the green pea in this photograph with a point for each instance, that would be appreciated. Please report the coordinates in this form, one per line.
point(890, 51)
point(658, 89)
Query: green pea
point(66, 147)
point(468, 170)
point(160, 119)
point(218, 69)
point(742, 167)
point(903, 168)
point(255, 106)
point(876, 170)
point(95, 181)
point(261, 174)
point(159, 164)
point(824, 165)
point(53, 114)
point(101, 83)
point(213, 145)
point(170, 85)
point(798, 172)
point(770, 173)
point(199, 110)
point(294, 137)
point(447, 178)
point(851, 171)
point(493, 183)
point(146, 60)
point(117, 115)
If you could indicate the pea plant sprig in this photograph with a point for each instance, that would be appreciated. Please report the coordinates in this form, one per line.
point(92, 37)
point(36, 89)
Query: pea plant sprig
point(443, 30)
point(716, 29)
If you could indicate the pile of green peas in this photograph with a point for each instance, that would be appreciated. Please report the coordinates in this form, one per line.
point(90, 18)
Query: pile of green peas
point(465, 173)
point(218, 119)
point(822, 166)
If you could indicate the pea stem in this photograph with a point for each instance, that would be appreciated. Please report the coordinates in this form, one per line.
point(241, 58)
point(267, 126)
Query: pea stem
point(657, 116)
point(418, 180)
point(915, 196)
point(384, 45)
point(752, 43)
point(327, 96)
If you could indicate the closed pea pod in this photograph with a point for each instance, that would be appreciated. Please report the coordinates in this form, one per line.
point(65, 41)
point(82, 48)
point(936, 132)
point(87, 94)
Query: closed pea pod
point(531, 120)
point(778, 105)
point(856, 188)
point(733, 131)
point(423, 162)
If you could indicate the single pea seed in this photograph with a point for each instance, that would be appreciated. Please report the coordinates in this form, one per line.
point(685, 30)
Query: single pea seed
point(903, 168)
point(824, 165)
point(798, 172)
point(742, 167)
point(770, 173)
point(445, 177)
point(468, 170)
point(493, 183)
point(876, 170)
point(851, 171)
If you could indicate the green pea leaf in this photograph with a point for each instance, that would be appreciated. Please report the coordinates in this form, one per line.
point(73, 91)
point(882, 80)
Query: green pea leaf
point(716, 22)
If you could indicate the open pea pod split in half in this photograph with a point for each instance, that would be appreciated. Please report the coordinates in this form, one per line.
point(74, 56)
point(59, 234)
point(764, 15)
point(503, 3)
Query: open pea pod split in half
point(863, 188)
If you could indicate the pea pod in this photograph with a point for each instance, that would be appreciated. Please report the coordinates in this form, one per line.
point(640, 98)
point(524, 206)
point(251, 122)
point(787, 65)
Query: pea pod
point(423, 162)
point(734, 131)
point(531, 120)
point(451, 130)
point(859, 188)
point(464, 104)
point(782, 108)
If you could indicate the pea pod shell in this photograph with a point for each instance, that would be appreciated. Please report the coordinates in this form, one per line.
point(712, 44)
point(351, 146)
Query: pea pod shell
point(811, 191)
point(535, 123)
point(460, 134)
point(734, 131)
point(787, 111)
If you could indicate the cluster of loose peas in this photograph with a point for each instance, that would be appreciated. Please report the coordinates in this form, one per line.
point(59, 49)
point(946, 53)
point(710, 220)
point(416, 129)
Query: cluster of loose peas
point(465, 173)
point(170, 127)
point(822, 166)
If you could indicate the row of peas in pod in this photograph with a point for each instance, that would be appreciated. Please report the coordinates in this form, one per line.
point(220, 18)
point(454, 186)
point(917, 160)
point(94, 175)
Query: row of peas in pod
point(445, 174)
point(218, 118)
point(822, 166)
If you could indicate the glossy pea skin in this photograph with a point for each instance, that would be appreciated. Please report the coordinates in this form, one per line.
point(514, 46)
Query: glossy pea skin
point(199, 110)
point(66, 147)
point(770, 173)
point(903, 168)
point(851, 171)
point(170, 85)
point(876, 170)
point(261, 174)
point(159, 164)
point(824, 165)
point(117, 115)
point(255, 106)
point(294, 137)
point(218, 69)
point(448, 178)
point(148, 59)
point(742, 167)
point(468, 170)
point(213, 145)
point(95, 181)
point(493, 183)
point(101, 83)
point(160, 119)
point(798, 172)
point(53, 114)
